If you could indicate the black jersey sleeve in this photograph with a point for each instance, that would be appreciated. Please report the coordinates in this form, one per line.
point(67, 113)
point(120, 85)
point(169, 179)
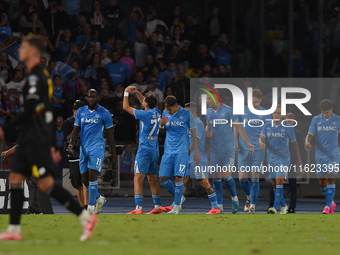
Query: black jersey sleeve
point(32, 102)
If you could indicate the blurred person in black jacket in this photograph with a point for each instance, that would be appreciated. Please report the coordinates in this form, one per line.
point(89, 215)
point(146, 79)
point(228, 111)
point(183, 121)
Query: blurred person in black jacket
point(73, 159)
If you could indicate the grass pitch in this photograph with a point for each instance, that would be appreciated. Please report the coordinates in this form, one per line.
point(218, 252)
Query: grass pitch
point(178, 234)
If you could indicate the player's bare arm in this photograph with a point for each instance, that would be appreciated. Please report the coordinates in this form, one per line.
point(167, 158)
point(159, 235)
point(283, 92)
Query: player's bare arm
point(308, 145)
point(126, 105)
point(208, 132)
point(112, 143)
point(240, 130)
point(297, 153)
point(5, 154)
point(164, 120)
point(195, 140)
point(261, 142)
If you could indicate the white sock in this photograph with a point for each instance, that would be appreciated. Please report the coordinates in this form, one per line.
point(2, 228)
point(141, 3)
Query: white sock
point(252, 205)
point(139, 207)
point(14, 229)
point(157, 206)
point(176, 207)
point(248, 197)
point(235, 198)
point(85, 216)
point(220, 206)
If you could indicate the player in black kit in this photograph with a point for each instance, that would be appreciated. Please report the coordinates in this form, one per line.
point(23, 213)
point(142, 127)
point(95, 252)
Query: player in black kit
point(35, 153)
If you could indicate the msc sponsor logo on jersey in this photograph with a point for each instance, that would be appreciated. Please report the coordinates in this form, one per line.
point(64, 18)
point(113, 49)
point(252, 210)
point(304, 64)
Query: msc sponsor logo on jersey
point(86, 120)
point(275, 134)
point(326, 128)
point(175, 123)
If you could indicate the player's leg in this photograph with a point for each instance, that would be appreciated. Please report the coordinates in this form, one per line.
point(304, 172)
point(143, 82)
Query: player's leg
point(272, 176)
point(156, 193)
point(244, 164)
point(138, 190)
point(94, 165)
point(93, 189)
point(165, 172)
point(141, 167)
point(205, 184)
point(47, 185)
point(281, 175)
point(257, 159)
point(330, 204)
point(217, 179)
point(76, 182)
point(13, 231)
point(229, 180)
point(180, 165)
point(254, 190)
point(152, 175)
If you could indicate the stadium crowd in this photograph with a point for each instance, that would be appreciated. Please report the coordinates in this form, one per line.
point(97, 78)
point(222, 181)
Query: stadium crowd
point(158, 56)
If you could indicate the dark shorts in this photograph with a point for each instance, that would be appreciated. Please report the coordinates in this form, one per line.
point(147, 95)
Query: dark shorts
point(75, 175)
point(33, 160)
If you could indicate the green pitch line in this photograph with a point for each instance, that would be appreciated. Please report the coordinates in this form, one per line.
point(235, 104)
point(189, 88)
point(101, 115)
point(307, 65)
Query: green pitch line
point(179, 234)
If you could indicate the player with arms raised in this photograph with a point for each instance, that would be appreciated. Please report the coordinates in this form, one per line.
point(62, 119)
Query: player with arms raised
point(148, 153)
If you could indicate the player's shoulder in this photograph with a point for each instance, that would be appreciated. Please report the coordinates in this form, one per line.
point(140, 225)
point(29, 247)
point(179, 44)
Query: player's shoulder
point(336, 116)
point(267, 125)
point(155, 112)
point(317, 117)
point(227, 108)
point(199, 122)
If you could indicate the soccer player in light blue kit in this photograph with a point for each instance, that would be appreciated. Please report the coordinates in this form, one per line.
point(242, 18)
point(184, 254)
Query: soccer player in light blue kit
point(222, 147)
point(326, 126)
point(247, 161)
point(147, 154)
point(176, 121)
point(92, 120)
point(199, 171)
point(278, 136)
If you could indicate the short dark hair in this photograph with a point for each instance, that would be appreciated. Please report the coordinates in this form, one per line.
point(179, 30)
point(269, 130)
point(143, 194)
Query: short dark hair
point(56, 75)
point(170, 101)
point(326, 104)
point(191, 105)
point(36, 41)
point(257, 93)
point(151, 100)
point(77, 104)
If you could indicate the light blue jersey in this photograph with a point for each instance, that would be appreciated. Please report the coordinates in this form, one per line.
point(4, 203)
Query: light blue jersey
point(92, 125)
point(177, 131)
point(326, 132)
point(200, 131)
point(223, 138)
point(196, 170)
point(148, 128)
point(253, 127)
point(278, 138)
point(176, 147)
point(147, 154)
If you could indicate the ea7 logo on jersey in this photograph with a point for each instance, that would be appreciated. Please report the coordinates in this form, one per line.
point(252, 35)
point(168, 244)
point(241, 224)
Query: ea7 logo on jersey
point(86, 120)
point(326, 128)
